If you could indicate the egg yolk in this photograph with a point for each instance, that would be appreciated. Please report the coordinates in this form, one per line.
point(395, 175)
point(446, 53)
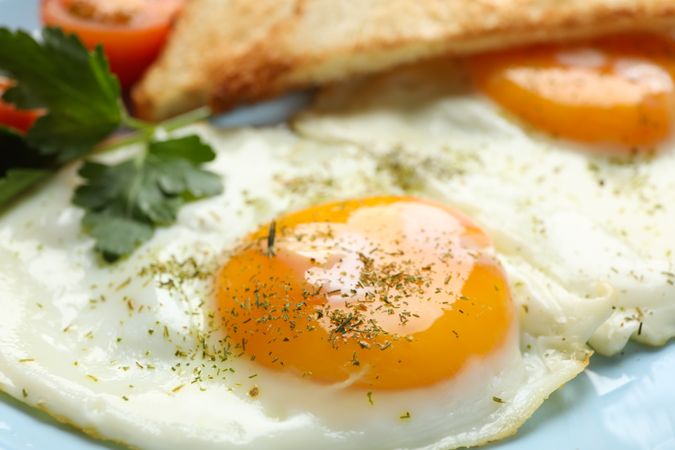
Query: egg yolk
point(385, 292)
point(616, 90)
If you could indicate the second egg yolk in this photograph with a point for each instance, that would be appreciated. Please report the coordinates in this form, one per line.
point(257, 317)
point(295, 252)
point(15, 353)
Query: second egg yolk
point(385, 292)
point(616, 90)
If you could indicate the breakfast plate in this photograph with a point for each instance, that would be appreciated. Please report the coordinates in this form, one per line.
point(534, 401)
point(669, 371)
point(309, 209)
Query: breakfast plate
point(623, 402)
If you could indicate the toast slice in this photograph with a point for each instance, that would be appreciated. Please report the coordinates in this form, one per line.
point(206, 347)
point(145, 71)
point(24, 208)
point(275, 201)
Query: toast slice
point(208, 33)
point(227, 52)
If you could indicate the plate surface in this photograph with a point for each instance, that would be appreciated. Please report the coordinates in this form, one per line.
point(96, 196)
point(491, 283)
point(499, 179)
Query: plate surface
point(621, 403)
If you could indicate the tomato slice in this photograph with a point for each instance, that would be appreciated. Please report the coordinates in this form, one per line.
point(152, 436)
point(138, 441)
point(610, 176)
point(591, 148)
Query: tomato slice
point(132, 32)
point(18, 119)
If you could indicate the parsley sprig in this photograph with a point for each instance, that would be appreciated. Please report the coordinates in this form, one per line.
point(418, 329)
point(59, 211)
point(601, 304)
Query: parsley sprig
point(123, 203)
point(82, 97)
point(126, 201)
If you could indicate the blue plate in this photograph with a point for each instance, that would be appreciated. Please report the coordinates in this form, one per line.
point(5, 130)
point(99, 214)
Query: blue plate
point(621, 403)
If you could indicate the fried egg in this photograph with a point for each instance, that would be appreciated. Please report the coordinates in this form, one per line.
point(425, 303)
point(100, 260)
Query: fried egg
point(314, 304)
point(563, 153)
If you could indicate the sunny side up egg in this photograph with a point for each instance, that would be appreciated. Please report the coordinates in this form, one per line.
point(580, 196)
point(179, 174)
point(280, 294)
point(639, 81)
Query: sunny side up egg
point(563, 153)
point(312, 305)
point(360, 292)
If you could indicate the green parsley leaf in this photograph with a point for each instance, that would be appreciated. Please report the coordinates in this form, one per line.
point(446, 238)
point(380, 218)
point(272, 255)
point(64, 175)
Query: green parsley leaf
point(124, 202)
point(16, 153)
point(81, 96)
point(115, 234)
point(20, 165)
point(16, 181)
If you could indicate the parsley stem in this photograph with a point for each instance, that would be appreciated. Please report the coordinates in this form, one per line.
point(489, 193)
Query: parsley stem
point(136, 124)
point(145, 130)
point(118, 141)
point(193, 116)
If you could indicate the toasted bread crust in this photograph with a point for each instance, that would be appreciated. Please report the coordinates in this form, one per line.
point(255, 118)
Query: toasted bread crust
point(312, 42)
point(208, 33)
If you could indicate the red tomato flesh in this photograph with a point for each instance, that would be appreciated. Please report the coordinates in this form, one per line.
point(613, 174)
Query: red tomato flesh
point(18, 119)
point(132, 32)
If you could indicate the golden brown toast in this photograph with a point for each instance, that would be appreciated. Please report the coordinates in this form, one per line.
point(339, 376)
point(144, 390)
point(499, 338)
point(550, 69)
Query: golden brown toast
point(226, 52)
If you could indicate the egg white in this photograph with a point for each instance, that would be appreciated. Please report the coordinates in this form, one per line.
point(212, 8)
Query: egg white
point(132, 352)
point(598, 221)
